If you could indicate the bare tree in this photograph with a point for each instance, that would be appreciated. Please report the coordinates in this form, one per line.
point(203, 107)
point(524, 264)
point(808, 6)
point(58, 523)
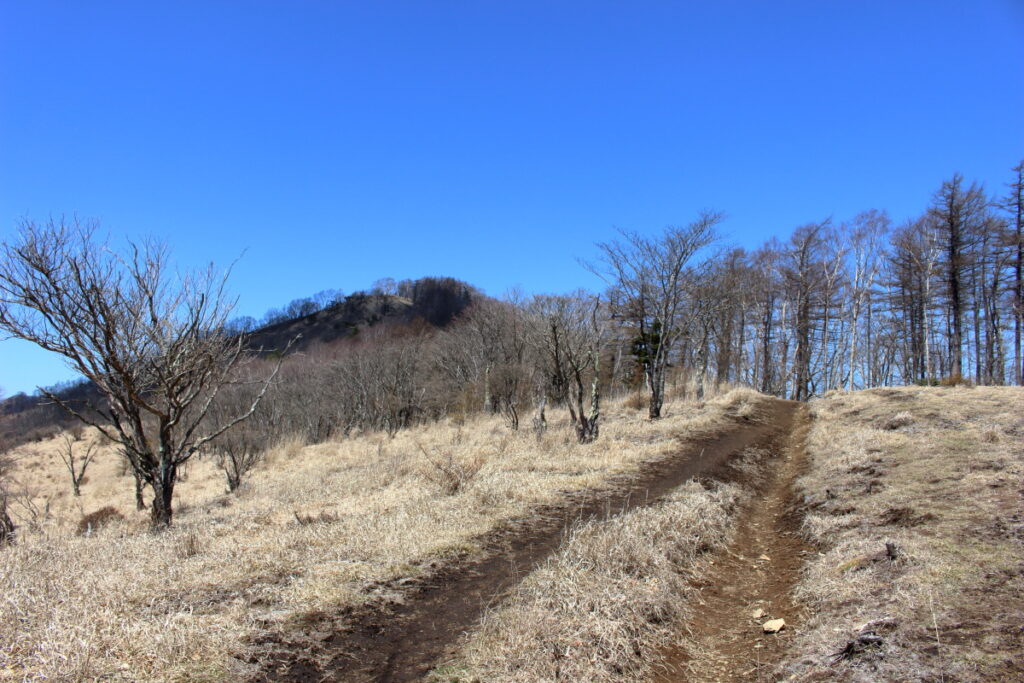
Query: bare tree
point(571, 333)
point(1014, 205)
point(646, 279)
point(804, 274)
point(958, 214)
point(7, 527)
point(151, 343)
point(238, 450)
point(76, 464)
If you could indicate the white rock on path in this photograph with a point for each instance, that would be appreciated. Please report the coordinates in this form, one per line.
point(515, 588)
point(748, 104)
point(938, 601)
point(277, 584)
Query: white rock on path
point(773, 626)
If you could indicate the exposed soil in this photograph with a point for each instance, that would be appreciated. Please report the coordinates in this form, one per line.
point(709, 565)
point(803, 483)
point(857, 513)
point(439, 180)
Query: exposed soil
point(754, 575)
point(401, 640)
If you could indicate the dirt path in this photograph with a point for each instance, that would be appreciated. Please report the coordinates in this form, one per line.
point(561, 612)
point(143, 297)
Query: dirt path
point(756, 573)
point(400, 642)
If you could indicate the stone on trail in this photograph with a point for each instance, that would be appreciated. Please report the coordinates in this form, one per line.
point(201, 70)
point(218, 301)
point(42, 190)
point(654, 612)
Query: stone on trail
point(765, 558)
point(757, 613)
point(774, 625)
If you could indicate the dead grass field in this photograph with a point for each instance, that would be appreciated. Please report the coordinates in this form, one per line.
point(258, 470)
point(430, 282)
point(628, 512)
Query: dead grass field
point(620, 597)
point(938, 472)
point(612, 596)
point(316, 528)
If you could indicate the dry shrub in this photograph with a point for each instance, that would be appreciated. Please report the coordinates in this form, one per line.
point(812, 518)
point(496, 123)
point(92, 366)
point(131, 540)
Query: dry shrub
point(635, 401)
point(900, 419)
point(188, 544)
point(611, 597)
point(449, 473)
point(741, 402)
point(94, 521)
point(991, 433)
point(956, 380)
point(285, 450)
point(322, 517)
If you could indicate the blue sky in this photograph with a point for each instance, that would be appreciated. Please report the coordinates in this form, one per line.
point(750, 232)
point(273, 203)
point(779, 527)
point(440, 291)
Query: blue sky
point(336, 143)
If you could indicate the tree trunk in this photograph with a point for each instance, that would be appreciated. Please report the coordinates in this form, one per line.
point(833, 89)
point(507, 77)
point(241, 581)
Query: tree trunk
point(766, 347)
point(7, 527)
point(163, 496)
point(139, 486)
point(540, 421)
point(657, 381)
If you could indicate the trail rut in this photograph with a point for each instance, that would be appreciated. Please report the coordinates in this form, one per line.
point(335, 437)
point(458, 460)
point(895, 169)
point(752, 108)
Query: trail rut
point(397, 643)
point(725, 642)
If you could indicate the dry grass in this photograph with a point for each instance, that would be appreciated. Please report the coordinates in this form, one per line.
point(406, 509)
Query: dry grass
point(938, 472)
point(315, 528)
point(601, 608)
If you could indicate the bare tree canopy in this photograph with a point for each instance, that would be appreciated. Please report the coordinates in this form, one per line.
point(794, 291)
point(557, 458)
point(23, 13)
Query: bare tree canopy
point(646, 277)
point(150, 340)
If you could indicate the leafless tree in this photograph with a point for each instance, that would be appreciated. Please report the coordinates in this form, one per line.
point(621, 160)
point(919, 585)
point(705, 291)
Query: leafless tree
point(958, 213)
point(1014, 205)
point(646, 280)
point(570, 330)
point(7, 527)
point(238, 450)
point(150, 342)
point(804, 272)
point(76, 464)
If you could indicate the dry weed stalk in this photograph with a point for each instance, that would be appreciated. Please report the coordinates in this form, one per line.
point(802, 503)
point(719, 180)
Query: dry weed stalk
point(449, 473)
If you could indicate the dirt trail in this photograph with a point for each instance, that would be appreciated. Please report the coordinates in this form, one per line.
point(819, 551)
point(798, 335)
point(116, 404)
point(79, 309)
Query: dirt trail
point(396, 643)
point(725, 642)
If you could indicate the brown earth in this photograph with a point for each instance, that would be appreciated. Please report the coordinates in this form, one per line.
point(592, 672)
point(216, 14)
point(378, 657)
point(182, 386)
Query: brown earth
point(401, 639)
point(754, 575)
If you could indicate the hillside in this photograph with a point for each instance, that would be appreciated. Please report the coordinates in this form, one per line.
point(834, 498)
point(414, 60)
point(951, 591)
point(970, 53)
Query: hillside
point(435, 302)
point(429, 304)
point(848, 518)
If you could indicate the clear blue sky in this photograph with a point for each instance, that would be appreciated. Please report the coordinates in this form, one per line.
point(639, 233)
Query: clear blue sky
point(340, 142)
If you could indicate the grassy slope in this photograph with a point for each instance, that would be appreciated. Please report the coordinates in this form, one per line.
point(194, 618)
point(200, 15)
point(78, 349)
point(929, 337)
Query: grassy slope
point(940, 473)
point(123, 603)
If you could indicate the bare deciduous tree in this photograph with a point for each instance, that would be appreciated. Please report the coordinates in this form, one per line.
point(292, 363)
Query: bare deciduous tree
point(646, 279)
point(150, 342)
point(76, 463)
point(7, 528)
point(571, 333)
point(240, 449)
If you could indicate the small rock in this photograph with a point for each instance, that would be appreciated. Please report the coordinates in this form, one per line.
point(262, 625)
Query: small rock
point(773, 626)
point(757, 613)
point(765, 558)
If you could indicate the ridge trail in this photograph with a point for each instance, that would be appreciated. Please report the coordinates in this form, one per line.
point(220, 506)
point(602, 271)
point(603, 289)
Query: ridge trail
point(400, 643)
point(725, 643)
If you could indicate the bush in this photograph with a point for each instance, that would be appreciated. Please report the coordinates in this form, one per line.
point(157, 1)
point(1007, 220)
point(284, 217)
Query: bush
point(636, 401)
point(98, 519)
point(956, 380)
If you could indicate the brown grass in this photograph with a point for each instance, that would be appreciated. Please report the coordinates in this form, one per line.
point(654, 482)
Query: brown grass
point(601, 608)
point(314, 529)
point(938, 474)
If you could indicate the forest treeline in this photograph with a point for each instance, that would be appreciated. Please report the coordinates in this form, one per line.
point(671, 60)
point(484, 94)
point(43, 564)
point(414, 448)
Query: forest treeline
point(836, 305)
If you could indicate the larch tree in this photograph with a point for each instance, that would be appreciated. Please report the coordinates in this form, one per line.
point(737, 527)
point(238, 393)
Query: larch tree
point(1014, 205)
point(958, 213)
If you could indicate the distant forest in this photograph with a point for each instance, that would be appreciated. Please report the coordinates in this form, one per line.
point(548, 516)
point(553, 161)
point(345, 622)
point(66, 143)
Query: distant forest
point(837, 305)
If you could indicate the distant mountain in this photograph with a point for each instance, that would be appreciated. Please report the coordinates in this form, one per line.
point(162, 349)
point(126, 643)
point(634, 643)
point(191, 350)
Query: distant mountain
point(433, 301)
